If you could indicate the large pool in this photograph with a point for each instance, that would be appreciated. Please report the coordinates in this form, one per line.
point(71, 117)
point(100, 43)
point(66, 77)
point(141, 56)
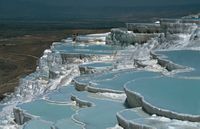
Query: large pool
point(70, 48)
point(188, 58)
point(102, 99)
point(173, 94)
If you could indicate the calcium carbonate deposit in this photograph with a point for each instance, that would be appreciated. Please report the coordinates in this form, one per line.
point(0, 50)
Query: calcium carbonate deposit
point(145, 76)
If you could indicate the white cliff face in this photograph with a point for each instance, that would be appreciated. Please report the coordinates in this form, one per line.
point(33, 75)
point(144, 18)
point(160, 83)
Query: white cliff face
point(98, 38)
point(195, 35)
point(51, 68)
point(123, 37)
point(120, 37)
point(192, 16)
point(139, 52)
point(38, 82)
point(52, 72)
point(194, 40)
point(175, 28)
point(174, 35)
point(56, 69)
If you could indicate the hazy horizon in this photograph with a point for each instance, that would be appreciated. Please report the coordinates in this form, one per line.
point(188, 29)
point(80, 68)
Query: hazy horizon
point(117, 10)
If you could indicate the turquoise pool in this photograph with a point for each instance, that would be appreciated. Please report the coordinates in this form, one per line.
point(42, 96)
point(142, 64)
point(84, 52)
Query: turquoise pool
point(173, 94)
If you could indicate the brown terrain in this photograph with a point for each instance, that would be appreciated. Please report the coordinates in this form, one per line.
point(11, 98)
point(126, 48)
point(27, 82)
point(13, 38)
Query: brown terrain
point(19, 54)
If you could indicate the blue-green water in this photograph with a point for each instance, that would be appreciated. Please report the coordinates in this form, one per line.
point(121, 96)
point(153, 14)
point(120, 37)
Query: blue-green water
point(69, 48)
point(67, 124)
point(100, 116)
point(187, 58)
point(60, 124)
point(139, 117)
point(117, 83)
point(87, 78)
point(132, 114)
point(48, 111)
point(57, 110)
point(37, 124)
point(97, 65)
point(61, 115)
point(178, 95)
point(1, 107)
point(62, 95)
point(114, 80)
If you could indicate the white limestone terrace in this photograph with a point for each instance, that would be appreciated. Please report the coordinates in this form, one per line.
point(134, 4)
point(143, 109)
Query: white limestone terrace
point(168, 64)
point(165, 97)
point(102, 119)
point(111, 85)
point(139, 53)
point(60, 65)
point(52, 72)
point(64, 110)
point(137, 118)
point(143, 92)
point(95, 67)
point(97, 38)
point(187, 65)
point(89, 38)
